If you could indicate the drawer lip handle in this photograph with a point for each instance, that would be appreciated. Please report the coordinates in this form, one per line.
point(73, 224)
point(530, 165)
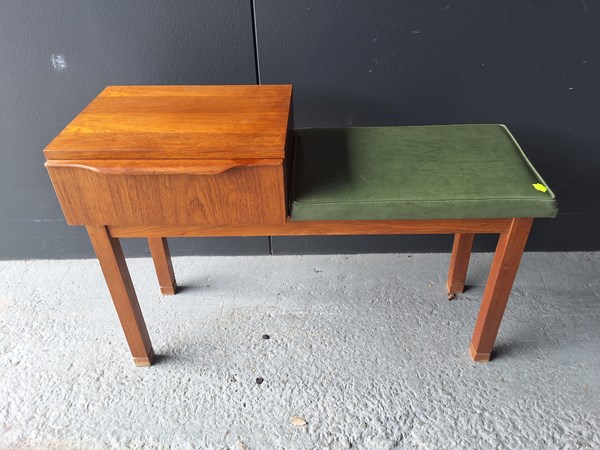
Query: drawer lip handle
point(161, 167)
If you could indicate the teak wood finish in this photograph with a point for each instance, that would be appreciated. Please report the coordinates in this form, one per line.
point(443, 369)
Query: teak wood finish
point(502, 275)
point(161, 256)
point(459, 262)
point(249, 194)
point(112, 263)
point(179, 161)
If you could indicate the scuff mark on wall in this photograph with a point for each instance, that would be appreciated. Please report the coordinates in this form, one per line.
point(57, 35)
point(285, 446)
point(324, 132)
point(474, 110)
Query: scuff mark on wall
point(59, 63)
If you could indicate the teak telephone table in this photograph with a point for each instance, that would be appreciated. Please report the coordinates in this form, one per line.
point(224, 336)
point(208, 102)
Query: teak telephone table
point(176, 161)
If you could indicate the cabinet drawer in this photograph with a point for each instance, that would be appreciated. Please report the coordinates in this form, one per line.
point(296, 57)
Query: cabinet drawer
point(173, 192)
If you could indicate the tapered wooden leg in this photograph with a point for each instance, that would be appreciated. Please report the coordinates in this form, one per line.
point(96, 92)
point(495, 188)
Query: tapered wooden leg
point(112, 262)
point(502, 275)
point(459, 262)
point(162, 263)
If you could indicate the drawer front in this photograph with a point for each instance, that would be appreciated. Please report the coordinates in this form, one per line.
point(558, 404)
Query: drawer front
point(179, 193)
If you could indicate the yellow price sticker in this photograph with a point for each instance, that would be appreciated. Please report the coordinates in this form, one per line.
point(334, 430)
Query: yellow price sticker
point(540, 187)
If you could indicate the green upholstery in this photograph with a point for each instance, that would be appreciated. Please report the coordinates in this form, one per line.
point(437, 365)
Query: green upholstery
point(420, 172)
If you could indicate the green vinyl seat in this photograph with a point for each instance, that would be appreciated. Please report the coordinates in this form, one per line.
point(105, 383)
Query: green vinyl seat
point(414, 172)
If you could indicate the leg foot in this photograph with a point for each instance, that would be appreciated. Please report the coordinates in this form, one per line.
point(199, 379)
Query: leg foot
point(145, 361)
point(502, 275)
point(169, 290)
point(162, 263)
point(479, 357)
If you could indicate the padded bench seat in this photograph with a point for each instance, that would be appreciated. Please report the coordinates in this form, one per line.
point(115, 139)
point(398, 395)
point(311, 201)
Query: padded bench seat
point(415, 172)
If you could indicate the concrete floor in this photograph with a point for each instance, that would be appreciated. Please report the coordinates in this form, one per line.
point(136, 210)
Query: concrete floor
point(365, 348)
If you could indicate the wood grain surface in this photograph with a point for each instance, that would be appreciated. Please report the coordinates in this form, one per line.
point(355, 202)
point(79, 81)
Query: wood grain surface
point(241, 195)
point(161, 256)
point(459, 262)
point(116, 274)
point(178, 122)
point(497, 289)
point(321, 228)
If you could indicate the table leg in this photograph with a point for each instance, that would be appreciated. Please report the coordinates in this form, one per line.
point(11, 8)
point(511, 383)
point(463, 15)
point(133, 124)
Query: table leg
point(502, 275)
point(162, 263)
point(459, 262)
point(112, 262)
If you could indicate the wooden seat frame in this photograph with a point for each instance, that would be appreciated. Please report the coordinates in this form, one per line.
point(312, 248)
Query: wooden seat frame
point(513, 236)
point(176, 161)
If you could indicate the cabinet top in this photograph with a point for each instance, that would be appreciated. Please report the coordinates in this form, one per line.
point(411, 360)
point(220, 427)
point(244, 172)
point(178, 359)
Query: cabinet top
point(178, 122)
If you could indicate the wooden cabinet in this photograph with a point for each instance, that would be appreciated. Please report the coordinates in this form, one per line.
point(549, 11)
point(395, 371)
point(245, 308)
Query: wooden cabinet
point(176, 155)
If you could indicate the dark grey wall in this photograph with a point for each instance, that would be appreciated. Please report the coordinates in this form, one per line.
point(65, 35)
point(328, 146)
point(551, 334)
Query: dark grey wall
point(532, 65)
point(56, 56)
